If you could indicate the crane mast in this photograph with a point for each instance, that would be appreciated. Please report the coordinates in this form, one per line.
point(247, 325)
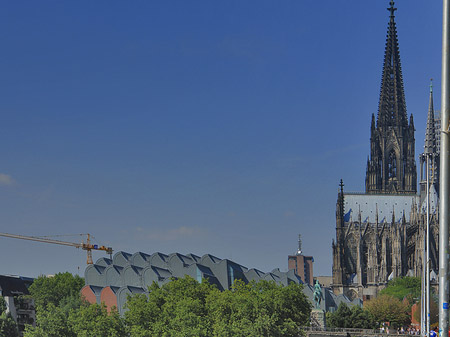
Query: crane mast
point(88, 247)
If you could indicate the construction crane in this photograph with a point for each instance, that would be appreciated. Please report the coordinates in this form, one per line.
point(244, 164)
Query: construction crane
point(88, 247)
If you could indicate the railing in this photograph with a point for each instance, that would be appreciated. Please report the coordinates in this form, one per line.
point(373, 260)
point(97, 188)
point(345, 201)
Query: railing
point(350, 331)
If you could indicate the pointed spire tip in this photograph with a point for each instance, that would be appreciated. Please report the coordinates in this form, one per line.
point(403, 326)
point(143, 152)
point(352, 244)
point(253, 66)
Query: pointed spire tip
point(392, 9)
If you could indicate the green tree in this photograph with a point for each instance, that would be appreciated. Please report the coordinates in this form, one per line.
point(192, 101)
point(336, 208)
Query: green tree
point(434, 311)
point(62, 312)
point(73, 318)
point(185, 307)
point(362, 319)
point(259, 309)
point(8, 327)
point(2, 305)
point(386, 308)
point(403, 287)
point(178, 308)
point(341, 318)
point(93, 320)
point(51, 321)
point(46, 290)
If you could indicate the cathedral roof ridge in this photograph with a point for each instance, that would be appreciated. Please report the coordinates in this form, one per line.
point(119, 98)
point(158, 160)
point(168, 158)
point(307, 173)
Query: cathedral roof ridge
point(382, 194)
point(383, 205)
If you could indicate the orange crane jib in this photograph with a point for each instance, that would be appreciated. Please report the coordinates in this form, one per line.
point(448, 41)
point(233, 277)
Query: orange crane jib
point(85, 246)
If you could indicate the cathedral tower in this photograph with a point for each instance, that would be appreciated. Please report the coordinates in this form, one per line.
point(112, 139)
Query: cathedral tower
point(431, 149)
point(379, 234)
point(391, 168)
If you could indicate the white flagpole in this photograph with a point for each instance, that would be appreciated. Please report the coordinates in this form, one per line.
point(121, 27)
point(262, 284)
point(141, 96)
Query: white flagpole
point(427, 277)
point(444, 188)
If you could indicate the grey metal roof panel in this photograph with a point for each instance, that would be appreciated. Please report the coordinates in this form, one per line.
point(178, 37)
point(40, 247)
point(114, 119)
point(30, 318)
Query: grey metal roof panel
point(121, 258)
point(177, 260)
point(186, 260)
point(161, 268)
point(159, 259)
point(162, 272)
point(96, 290)
point(210, 258)
point(122, 296)
point(341, 298)
point(205, 270)
point(95, 275)
point(386, 204)
point(114, 289)
point(276, 271)
point(149, 276)
point(193, 257)
point(113, 275)
point(236, 265)
point(132, 276)
point(136, 290)
point(198, 272)
point(152, 274)
point(254, 275)
point(271, 277)
point(104, 261)
point(140, 259)
point(293, 277)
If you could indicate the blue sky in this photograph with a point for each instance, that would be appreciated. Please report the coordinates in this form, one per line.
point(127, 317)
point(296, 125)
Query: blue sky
point(218, 127)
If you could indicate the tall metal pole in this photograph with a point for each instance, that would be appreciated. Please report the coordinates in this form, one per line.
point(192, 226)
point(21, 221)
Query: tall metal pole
point(444, 189)
point(427, 276)
point(423, 315)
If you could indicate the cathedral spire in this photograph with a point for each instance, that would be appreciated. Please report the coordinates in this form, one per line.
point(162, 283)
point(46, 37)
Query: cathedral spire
point(392, 168)
point(430, 135)
point(392, 106)
point(340, 206)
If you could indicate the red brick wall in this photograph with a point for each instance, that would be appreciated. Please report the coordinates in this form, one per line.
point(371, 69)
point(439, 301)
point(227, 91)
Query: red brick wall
point(88, 294)
point(108, 297)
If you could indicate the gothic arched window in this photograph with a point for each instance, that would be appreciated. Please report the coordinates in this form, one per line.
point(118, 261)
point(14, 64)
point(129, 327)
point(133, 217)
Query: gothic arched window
point(380, 164)
point(392, 165)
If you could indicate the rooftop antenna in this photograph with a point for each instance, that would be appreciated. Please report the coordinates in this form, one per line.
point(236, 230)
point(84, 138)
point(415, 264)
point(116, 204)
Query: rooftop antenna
point(299, 251)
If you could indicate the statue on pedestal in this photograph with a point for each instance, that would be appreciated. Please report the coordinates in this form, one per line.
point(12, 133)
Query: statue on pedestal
point(317, 314)
point(317, 294)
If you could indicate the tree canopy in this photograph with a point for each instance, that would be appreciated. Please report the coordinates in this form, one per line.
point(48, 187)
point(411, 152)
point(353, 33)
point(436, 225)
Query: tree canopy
point(185, 307)
point(355, 317)
point(46, 290)
point(182, 307)
point(403, 287)
point(60, 311)
point(386, 308)
point(434, 311)
point(8, 327)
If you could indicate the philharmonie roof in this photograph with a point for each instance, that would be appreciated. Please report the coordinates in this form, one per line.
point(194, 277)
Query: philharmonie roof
point(110, 281)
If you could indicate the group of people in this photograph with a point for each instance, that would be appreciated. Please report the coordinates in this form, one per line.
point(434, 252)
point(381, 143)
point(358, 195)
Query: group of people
point(402, 331)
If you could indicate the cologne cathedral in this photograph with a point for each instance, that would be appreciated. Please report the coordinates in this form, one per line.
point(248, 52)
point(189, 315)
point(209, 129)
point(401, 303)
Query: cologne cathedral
point(380, 233)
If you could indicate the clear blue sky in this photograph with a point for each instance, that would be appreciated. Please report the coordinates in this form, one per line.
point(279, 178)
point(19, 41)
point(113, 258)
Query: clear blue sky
point(218, 127)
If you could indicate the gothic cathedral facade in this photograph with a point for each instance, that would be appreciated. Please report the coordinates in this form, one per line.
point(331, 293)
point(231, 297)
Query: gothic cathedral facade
point(380, 233)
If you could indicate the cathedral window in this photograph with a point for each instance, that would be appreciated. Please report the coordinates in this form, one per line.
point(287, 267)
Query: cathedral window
point(392, 165)
point(380, 163)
